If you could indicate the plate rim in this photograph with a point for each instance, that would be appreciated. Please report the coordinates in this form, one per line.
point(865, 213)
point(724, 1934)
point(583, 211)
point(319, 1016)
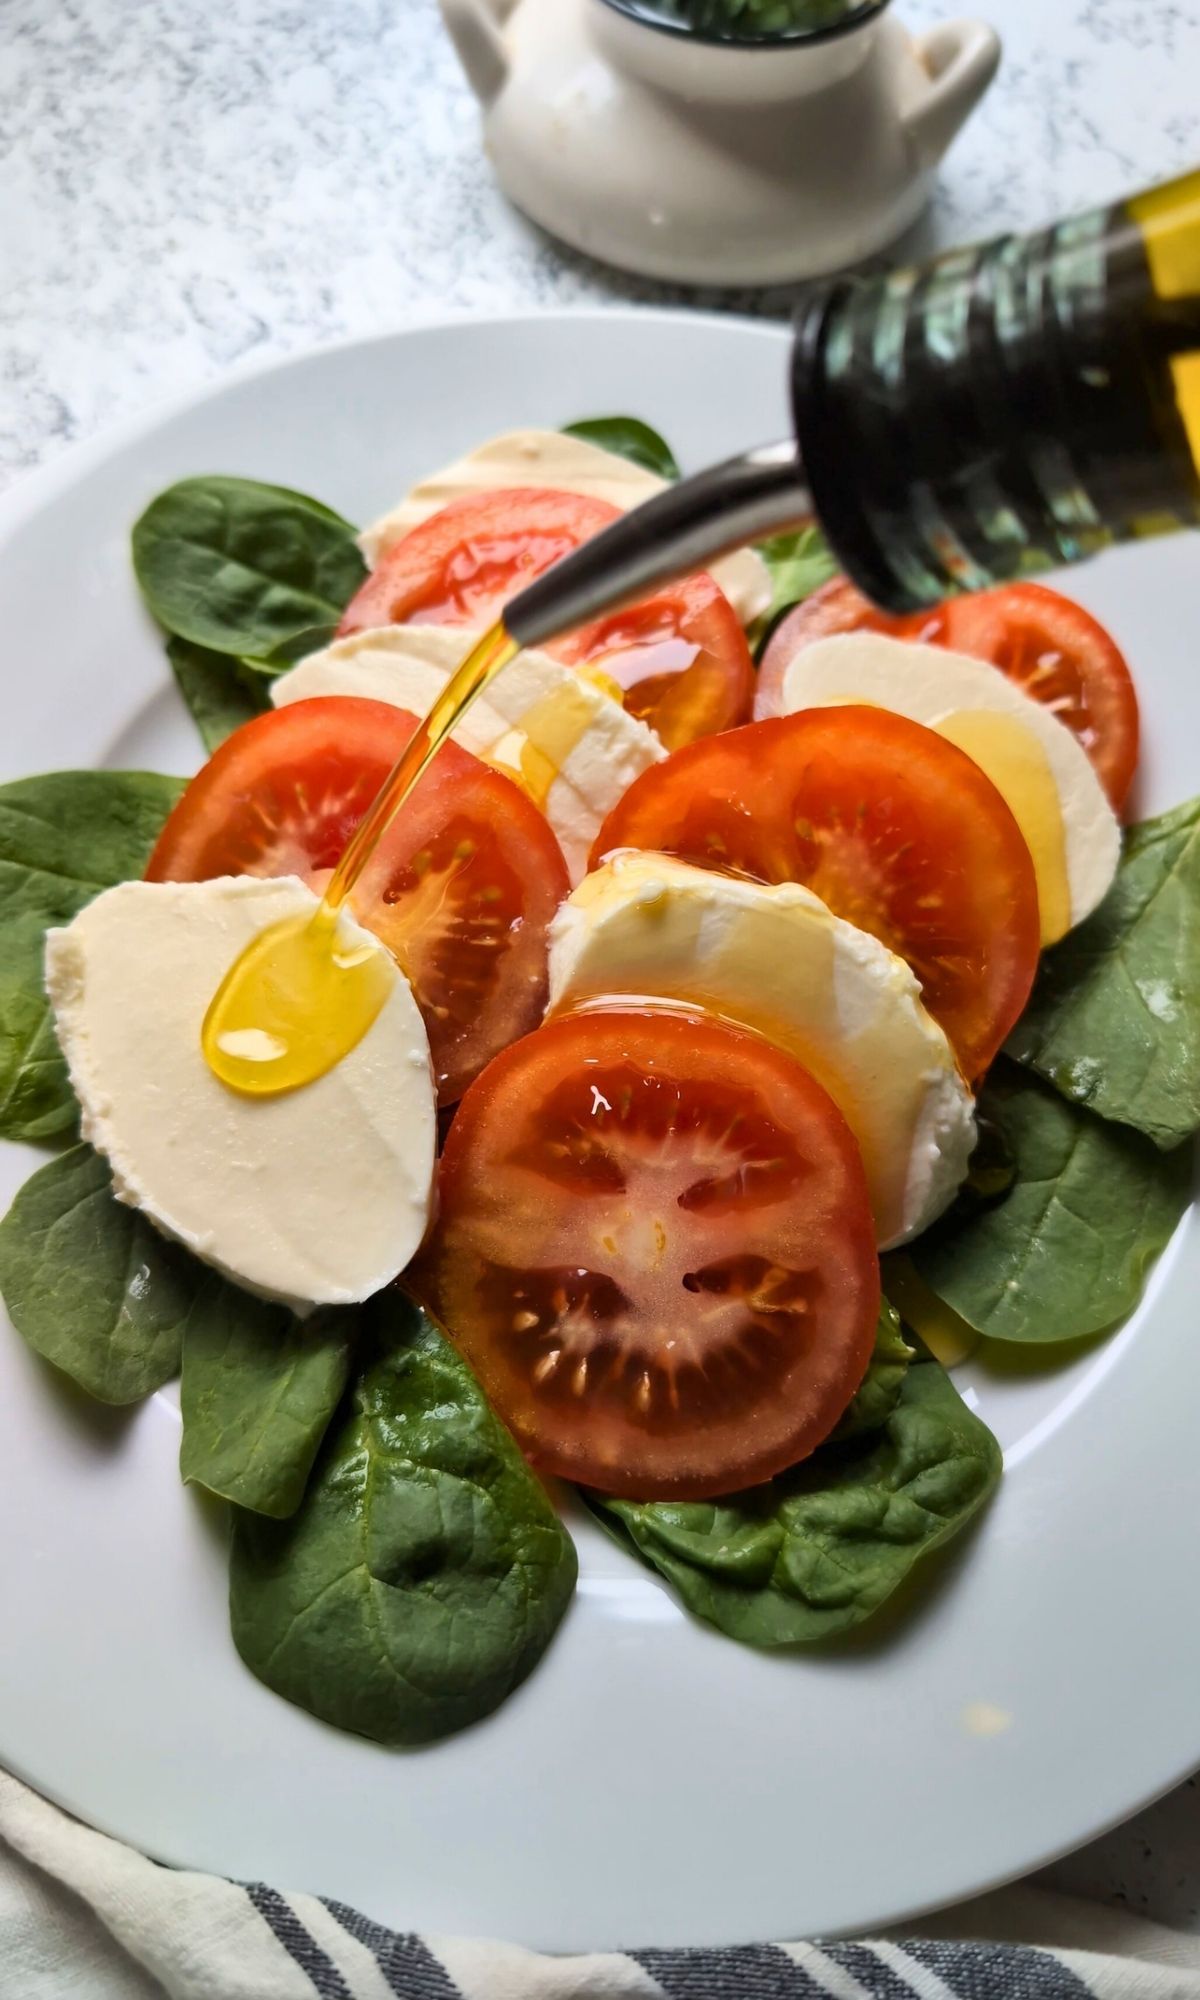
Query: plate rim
point(32, 486)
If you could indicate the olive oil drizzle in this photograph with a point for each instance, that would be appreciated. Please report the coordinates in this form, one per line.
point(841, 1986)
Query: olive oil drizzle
point(306, 991)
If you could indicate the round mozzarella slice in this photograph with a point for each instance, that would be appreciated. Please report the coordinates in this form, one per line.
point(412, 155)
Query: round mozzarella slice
point(1031, 757)
point(567, 743)
point(568, 465)
point(777, 960)
point(318, 1197)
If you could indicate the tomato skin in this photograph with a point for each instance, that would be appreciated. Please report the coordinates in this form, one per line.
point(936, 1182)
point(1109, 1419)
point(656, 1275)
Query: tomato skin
point(1058, 653)
point(1050, 646)
point(462, 564)
point(836, 606)
point(685, 698)
point(679, 660)
point(893, 827)
point(462, 889)
point(656, 1251)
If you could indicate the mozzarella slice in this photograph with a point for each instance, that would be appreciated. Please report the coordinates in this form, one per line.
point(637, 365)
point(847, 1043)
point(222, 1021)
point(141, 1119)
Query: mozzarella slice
point(320, 1196)
point(566, 742)
point(1030, 756)
point(568, 465)
point(777, 960)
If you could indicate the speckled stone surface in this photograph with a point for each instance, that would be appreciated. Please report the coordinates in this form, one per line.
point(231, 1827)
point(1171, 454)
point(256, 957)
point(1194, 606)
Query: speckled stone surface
point(184, 187)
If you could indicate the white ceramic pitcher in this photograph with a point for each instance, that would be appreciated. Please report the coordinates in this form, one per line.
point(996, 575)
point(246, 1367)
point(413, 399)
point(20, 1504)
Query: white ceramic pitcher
point(709, 162)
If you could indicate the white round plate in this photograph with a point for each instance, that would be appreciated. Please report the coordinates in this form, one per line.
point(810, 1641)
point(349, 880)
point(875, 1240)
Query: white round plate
point(652, 1783)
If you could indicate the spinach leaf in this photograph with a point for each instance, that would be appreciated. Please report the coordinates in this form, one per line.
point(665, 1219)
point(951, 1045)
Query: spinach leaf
point(883, 1384)
point(259, 1387)
point(223, 690)
point(425, 1570)
point(1065, 1251)
point(799, 564)
point(816, 1551)
point(89, 1284)
point(97, 1291)
point(312, 639)
point(63, 838)
point(240, 567)
point(629, 438)
point(220, 693)
point(1114, 1022)
point(926, 1319)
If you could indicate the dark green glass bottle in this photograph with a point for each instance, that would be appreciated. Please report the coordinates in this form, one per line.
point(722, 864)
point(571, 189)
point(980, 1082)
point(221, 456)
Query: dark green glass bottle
point(1009, 407)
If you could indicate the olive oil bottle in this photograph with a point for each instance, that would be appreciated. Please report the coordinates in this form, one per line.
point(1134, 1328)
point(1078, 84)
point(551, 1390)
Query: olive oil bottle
point(993, 413)
point(1009, 407)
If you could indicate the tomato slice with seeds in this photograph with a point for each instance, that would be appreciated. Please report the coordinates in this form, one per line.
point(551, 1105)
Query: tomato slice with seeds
point(679, 661)
point(1054, 650)
point(461, 891)
point(462, 564)
point(893, 827)
point(1062, 656)
point(656, 1251)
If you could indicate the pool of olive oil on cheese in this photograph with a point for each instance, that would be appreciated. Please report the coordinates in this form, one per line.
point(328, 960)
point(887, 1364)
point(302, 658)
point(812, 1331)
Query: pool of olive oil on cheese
point(535, 751)
point(1011, 756)
point(306, 991)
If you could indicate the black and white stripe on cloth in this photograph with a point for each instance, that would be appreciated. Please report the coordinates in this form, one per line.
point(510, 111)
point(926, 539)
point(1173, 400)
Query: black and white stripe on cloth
point(82, 1914)
point(417, 1968)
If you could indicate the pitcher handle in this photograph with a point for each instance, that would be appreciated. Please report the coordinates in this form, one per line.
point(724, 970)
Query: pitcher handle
point(961, 58)
point(474, 28)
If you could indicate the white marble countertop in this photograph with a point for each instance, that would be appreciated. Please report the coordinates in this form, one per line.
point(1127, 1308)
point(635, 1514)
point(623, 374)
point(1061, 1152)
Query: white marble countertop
point(184, 187)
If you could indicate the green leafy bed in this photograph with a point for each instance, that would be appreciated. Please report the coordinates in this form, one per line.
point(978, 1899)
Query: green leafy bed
point(395, 1566)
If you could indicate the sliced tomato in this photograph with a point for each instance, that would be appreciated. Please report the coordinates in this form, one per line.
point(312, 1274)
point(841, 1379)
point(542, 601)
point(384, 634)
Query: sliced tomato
point(891, 825)
point(461, 891)
point(679, 661)
point(655, 1250)
point(1054, 649)
point(1062, 656)
point(461, 566)
point(838, 606)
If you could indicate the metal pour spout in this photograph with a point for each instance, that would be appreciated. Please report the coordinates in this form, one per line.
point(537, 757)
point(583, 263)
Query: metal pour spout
point(683, 529)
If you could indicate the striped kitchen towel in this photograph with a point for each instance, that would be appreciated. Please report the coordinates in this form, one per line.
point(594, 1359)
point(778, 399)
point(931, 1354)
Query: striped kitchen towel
point(84, 1918)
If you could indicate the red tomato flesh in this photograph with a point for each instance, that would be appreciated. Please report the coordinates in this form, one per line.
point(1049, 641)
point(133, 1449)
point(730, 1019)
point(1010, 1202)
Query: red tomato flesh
point(679, 661)
point(656, 1251)
point(1054, 650)
point(893, 827)
point(461, 891)
point(462, 564)
point(1062, 656)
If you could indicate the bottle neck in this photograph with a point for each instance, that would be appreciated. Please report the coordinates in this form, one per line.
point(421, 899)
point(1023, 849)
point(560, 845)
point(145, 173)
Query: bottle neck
point(1011, 407)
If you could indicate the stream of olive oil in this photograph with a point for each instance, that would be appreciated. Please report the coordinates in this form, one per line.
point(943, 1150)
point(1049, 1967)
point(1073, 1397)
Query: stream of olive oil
point(305, 991)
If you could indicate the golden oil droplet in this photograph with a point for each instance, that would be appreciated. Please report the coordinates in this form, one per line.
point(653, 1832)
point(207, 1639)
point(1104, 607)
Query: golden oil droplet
point(303, 994)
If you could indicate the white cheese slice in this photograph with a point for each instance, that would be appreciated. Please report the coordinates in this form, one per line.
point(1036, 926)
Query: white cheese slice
point(567, 465)
point(572, 746)
point(947, 690)
point(320, 1196)
point(777, 960)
